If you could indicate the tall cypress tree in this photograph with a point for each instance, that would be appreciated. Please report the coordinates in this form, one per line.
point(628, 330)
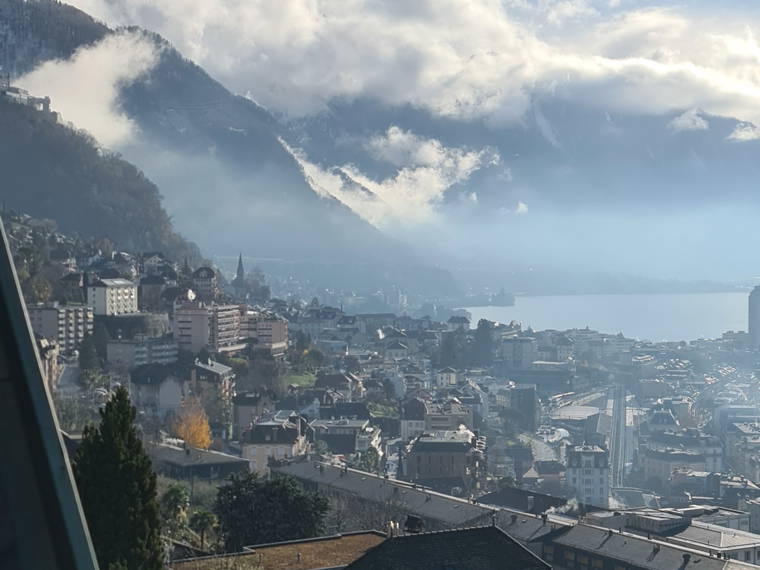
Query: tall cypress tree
point(118, 490)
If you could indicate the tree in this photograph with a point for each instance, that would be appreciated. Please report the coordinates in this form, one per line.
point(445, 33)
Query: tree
point(202, 522)
point(315, 358)
point(253, 510)
point(118, 490)
point(174, 504)
point(100, 338)
point(88, 355)
point(370, 461)
point(192, 424)
point(482, 348)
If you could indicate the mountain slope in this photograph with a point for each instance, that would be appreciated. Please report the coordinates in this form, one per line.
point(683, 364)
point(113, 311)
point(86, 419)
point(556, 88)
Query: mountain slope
point(52, 171)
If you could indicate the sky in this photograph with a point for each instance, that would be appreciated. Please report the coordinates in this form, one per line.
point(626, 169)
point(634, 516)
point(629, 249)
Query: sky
point(463, 62)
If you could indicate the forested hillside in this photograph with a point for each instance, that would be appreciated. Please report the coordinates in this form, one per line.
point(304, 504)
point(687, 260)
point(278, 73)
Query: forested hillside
point(52, 171)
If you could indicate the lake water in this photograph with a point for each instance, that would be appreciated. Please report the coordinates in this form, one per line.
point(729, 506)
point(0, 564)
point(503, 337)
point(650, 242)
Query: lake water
point(650, 317)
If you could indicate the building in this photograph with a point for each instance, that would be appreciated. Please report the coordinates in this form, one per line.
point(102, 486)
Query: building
point(518, 352)
point(205, 284)
point(447, 416)
point(659, 464)
point(457, 322)
point(523, 402)
point(464, 549)
point(187, 463)
point(588, 472)
point(112, 297)
point(365, 492)
point(247, 407)
point(447, 461)
point(754, 318)
point(142, 350)
point(199, 325)
point(151, 287)
point(322, 552)
point(155, 390)
point(446, 377)
point(224, 328)
point(192, 326)
point(281, 436)
point(266, 331)
point(344, 436)
point(65, 324)
point(215, 382)
point(412, 422)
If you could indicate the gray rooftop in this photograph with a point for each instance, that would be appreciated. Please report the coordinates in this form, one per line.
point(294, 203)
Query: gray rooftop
point(449, 511)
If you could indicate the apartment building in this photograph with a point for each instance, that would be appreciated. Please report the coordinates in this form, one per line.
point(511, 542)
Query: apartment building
point(588, 472)
point(142, 350)
point(65, 324)
point(111, 297)
point(215, 327)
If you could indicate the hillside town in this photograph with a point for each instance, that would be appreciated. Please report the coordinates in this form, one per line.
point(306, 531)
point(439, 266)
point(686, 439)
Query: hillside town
point(562, 439)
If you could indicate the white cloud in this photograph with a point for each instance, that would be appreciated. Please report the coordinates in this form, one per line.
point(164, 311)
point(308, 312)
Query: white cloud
point(689, 121)
point(426, 170)
point(521, 208)
point(466, 59)
point(744, 132)
point(85, 88)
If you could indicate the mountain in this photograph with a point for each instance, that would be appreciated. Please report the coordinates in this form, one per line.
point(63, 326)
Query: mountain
point(228, 180)
point(52, 171)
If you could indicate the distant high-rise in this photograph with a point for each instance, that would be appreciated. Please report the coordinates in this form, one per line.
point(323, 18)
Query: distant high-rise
point(754, 318)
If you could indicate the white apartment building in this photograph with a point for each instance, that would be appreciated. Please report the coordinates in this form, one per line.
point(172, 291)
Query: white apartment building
point(588, 472)
point(112, 297)
point(65, 324)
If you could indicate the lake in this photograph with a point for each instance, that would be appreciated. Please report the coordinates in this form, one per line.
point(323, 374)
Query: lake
point(650, 317)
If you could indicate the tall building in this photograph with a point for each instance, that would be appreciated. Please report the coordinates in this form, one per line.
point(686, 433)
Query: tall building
point(215, 327)
point(65, 324)
point(588, 472)
point(754, 318)
point(112, 297)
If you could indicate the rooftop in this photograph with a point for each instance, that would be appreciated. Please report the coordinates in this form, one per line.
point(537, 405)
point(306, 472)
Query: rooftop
point(445, 509)
point(481, 548)
point(324, 552)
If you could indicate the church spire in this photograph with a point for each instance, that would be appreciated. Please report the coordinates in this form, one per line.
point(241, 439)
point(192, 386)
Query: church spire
point(240, 275)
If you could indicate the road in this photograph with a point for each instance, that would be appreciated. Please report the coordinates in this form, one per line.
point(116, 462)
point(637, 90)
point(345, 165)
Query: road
point(617, 436)
point(541, 450)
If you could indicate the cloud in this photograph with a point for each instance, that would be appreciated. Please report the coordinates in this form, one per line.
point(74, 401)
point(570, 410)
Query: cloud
point(521, 208)
point(85, 88)
point(425, 171)
point(689, 121)
point(464, 59)
point(744, 132)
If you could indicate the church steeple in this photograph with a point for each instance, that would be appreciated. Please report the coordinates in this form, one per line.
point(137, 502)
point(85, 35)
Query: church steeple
point(240, 275)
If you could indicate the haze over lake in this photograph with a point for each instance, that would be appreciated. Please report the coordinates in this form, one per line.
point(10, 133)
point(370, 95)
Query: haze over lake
point(650, 317)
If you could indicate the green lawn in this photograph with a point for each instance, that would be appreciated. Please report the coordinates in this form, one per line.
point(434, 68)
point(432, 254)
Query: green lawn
point(305, 379)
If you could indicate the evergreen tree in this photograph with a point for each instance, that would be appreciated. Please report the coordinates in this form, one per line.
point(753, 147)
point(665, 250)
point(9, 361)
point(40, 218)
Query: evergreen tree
point(88, 355)
point(118, 490)
point(483, 344)
point(253, 510)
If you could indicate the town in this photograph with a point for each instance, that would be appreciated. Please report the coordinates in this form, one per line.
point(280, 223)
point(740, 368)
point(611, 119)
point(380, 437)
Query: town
point(584, 449)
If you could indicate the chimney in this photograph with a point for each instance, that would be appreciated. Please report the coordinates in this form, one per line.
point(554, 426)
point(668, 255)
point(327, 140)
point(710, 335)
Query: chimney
point(531, 501)
point(512, 519)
